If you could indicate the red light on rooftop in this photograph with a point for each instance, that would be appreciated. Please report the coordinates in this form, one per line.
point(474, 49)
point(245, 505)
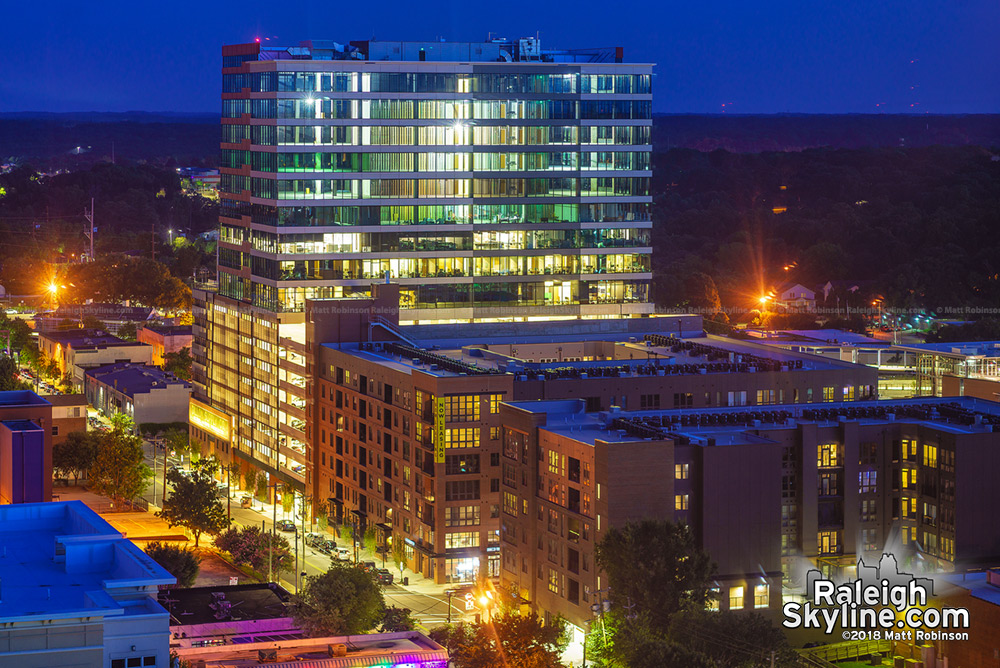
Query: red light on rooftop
point(257, 39)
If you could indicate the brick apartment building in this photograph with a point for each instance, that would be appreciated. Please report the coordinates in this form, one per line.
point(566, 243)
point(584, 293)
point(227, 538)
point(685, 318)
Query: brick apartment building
point(385, 399)
point(771, 491)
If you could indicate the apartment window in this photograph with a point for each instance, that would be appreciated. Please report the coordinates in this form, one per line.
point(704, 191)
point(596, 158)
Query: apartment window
point(461, 490)
point(828, 393)
point(649, 401)
point(553, 581)
point(462, 438)
point(510, 504)
point(848, 393)
point(461, 539)
point(686, 399)
point(681, 471)
point(930, 455)
point(736, 598)
point(867, 482)
point(765, 397)
point(681, 502)
point(828, 454)
point(463, 408)
point(828, 542)
point(495, 400)
point(761, 596)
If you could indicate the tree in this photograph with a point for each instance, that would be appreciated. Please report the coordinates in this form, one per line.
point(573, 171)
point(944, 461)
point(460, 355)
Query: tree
point(287, 499)
point(249, 546)
point(179, 363)
point(127, 331)
point(262, 487)
point(182, 563)
point(396, 620)
point(749, 638)
point(93, 322)
point(510, 639)
point(179, 441)
point(398, 553)
point(250, 480)
point(321, 515)
point(76, 454)
point(343, 601)
point(119, 471)
point(233, 474)
point(9, 376)
point(194, 502)
point(654, 567)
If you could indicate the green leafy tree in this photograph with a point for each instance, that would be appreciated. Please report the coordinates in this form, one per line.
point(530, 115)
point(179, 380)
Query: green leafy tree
point(250, 480)
point(182, 563)
point(119, 471)
point(369, 539)
point(343, 601)
point(510, 639)
point(234, 474)
point(249, 546)
point(8, 376)
point(179, 441)
point(399, 553)
point(654, 568)
point(127, 331)
point(194, 502)
point(396, 620)
point(76, 454)
point(287, 500)
point(322, 515)
point(92, 322)
point(179, 363)
point(733, 639)
point(262, 487)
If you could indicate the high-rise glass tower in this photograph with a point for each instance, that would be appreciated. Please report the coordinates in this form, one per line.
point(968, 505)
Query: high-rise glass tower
point(494, 181)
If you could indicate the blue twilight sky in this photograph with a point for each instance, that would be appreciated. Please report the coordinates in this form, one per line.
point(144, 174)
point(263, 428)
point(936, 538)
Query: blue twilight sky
point(753, 56)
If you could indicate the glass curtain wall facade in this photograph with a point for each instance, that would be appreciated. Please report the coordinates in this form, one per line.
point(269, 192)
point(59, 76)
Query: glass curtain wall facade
point(488, 190)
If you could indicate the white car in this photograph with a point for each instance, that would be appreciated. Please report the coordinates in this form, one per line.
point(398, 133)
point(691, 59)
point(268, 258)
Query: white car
point(342, 553)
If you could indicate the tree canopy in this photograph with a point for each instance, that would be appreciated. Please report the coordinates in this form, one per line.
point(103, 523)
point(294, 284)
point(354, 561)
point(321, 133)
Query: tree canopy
point(509, 639)
point(184, 564)
point(194, 501)
point(345, 600)
point(76, 454)
point(119, 471)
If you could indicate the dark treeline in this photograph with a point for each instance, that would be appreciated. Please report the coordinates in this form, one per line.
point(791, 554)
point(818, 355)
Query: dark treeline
point(795, 132)
point(919, 223)
point(136, 206)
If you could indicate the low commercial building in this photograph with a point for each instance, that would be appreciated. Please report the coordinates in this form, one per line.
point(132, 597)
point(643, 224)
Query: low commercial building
point(164, 339)
point(771, 491)
point(77, 350)
point(406, 649)
point(228, 615)
point(26, 427)
point(75, 593)
point(144, 393)
point(69, 414)
point(404, 426)
point(970, 369)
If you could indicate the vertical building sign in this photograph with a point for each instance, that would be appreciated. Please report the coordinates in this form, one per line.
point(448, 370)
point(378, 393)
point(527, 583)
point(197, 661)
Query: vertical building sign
point(439, 430)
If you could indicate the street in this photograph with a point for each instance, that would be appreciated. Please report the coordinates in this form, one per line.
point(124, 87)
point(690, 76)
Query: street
point(426, 600)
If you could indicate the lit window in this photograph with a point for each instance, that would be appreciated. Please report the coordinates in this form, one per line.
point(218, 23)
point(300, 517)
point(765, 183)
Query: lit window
point(761, 596)
point(736, 598)
point(713, 599)
point(681, 471)
point(680, 502)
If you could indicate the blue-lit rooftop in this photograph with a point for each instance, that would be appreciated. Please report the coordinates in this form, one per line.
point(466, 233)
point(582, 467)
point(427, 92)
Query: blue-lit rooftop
point(21, 398)
point(62, 560)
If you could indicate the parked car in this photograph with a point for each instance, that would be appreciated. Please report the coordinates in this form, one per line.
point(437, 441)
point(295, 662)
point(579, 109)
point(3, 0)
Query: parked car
point(384, 576)
point(285, 525)
point(312, 539)
point(327, 545)
point(342, 553)
point(246, 502)
point(368, 566)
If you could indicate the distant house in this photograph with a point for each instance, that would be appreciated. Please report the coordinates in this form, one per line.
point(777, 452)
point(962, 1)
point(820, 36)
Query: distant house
point(76, 350)
point(795, 298)
point(165, 339)
point(144, 393)
point(69, 414)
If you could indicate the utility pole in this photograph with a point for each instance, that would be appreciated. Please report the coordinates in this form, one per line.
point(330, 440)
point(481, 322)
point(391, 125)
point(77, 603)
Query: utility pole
point(90, 235)
point(152, 238)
